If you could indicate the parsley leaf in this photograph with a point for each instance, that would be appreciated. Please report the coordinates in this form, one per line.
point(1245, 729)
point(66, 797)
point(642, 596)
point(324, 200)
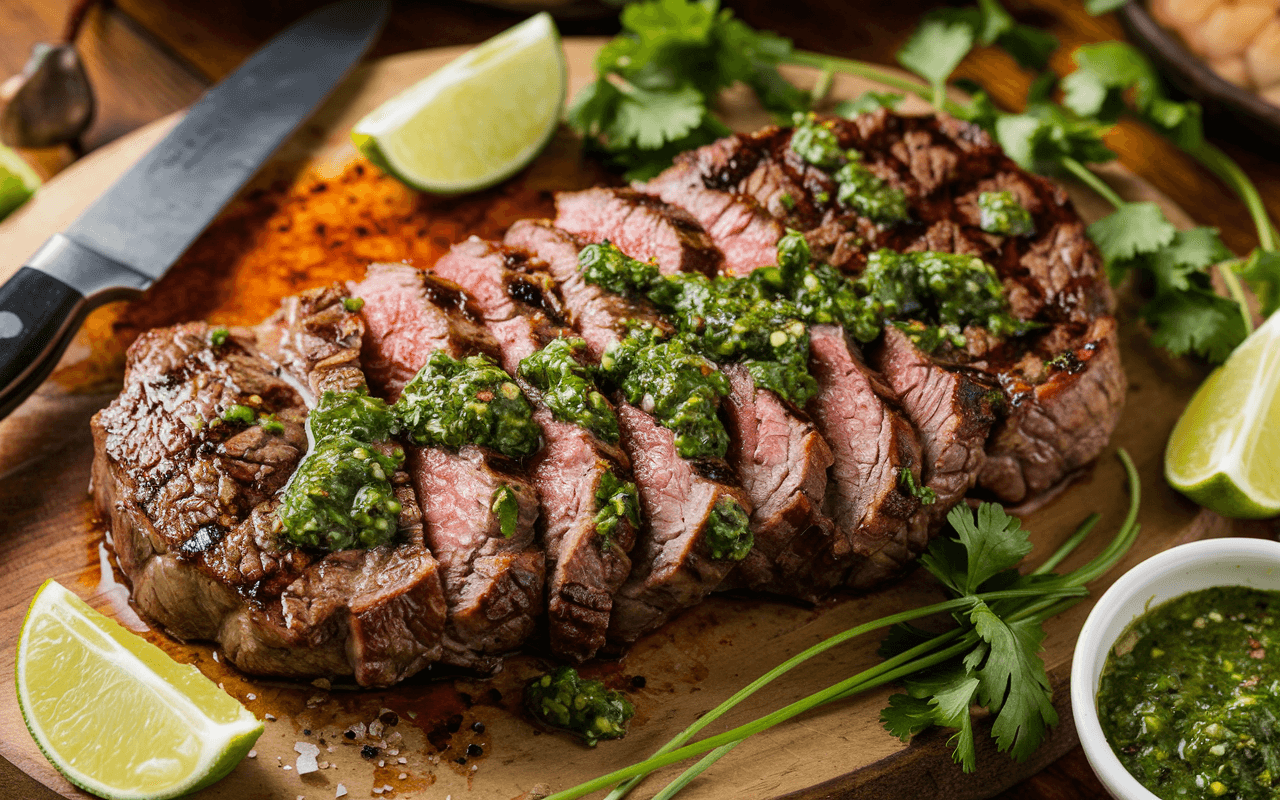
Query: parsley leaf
point(1131, 230)
point(1262, 271)
point(941, 697)
point(1013, 682)
point(1197, 321)
point(867, 102)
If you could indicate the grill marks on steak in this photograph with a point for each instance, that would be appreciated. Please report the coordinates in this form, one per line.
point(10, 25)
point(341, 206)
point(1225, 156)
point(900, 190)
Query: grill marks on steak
point(640, 225)
point(670, 568)
point(192, 505)
point(493, 584)
point(943, 165)
point(584, 569)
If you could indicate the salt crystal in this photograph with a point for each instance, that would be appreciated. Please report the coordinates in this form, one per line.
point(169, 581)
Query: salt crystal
point(301, 797)
point(307, 753)
point(402, 760)
point(377, 790)
point(250, 696)
point(315, 700)
point(393, 751)
point(358, 729)
point(375, 728)
point(269, 717)
point(387, 788)
point(394, 737)
point(286, 766)
point(215, 657)
point(253, 754)
point(474, 767)
point(323, 765)
point(342, 791)
point(403, 775)
point(381, 763)
point(413, 715)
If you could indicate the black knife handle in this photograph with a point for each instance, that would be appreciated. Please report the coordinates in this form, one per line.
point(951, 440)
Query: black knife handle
point(43, 305)
point(37, 312)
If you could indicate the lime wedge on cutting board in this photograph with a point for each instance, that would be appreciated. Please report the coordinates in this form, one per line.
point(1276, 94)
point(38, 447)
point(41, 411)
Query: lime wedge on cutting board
point(478, 120)
point(18, 181)
point(114, 714)
point(1224, 452)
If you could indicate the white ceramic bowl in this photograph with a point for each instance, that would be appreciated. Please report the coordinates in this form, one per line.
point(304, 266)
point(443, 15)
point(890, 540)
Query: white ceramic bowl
point(1186, 568)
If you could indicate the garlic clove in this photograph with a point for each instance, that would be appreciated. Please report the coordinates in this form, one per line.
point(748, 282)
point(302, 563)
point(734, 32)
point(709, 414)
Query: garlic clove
point(50, 102)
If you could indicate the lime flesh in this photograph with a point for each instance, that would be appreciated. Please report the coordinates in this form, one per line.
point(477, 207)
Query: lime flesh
point(114, 713)
point(1224, 452)
point(478, 120)
point(17, 181)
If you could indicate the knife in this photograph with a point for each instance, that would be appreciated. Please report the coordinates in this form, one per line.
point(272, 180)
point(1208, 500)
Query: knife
point(134, 232)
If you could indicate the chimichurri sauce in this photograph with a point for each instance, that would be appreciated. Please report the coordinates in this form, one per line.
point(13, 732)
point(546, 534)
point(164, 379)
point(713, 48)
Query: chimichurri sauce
point(1190, 696)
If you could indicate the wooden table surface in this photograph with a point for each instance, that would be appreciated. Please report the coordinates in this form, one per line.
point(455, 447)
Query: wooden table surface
point(147, 58)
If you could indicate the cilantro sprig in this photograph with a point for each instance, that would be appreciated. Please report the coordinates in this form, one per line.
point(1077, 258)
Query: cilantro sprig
point(989, 658)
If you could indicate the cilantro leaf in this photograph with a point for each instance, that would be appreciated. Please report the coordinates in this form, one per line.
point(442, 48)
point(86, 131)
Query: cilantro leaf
point(1190, 253)
point(940, 697)
point(649, 119)
point(867, 102)
point(1197, 321)
point(1013, 682)
point(1031, 47)
point(1262, 271)
point(935, 50)
point(1133, 229)
point(994, 542)
point(1045, 133)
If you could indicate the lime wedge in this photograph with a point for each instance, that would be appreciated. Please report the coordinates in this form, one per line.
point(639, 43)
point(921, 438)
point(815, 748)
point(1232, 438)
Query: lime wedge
point(17, 181)
point(114, 714)
point(1225, 449)
point(478, 120)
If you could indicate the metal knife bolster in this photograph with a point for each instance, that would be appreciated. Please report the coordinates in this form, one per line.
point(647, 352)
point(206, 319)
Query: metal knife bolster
point(44, 304)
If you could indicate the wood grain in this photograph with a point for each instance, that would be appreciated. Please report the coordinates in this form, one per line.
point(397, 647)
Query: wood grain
point(690, 665)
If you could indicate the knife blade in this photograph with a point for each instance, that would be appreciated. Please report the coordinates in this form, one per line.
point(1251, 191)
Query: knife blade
point(148, 218)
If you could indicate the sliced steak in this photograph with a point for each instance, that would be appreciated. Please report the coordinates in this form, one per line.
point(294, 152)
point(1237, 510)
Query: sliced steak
point(493, 584)
point(640, 225)
point(670, 567)
point(192, 505)
point(585, 569)
point(782, 462)
point(880, 522)
point(951, 409)
point(1062, 413)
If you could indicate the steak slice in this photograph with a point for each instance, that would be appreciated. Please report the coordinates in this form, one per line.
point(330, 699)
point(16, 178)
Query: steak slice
point(585, 568)
point(1061, 415)
point(640, 225)
point(782, 462)
point(880, 523)
point(192, 505)
point(670, 567)
point(493, 584)
point(951, 409)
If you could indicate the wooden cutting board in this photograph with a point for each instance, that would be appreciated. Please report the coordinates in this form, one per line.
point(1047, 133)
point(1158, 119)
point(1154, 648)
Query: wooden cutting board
point(317, 214)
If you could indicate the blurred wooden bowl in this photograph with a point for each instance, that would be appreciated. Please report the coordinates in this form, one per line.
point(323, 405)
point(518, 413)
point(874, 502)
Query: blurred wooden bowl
point(1189, 73)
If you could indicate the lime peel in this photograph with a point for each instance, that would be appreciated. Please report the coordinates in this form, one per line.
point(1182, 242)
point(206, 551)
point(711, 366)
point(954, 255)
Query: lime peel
point(83, 680)
point(1225, 447)
point(478, 120)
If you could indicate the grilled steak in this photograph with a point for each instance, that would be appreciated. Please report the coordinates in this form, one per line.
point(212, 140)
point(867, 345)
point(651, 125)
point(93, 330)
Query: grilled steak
point(641, 226)
point(192, 501)
point(942, 165)
point(670, 567)
point(585, 569)
point(493, 583)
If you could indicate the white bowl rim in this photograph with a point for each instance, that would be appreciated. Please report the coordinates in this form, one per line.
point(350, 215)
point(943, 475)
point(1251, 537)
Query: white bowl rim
point(1097, 749)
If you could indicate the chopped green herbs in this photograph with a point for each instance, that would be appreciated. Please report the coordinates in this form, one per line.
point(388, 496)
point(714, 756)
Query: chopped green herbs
point(506, 508)
point(353, 304)
point(815, 142)
point(1187, 698)
point(341, 496)
point(242, 415)
point(353, 414)
point(568, 388)
point(587, 709)
point(727, 535)
point(271, 425)
point(616, 501)
point(857, 186)
point(676, 384)
point(608, 267)
point(451, 403)
point(907, 480)
point(218, 336)
point(1002, 214)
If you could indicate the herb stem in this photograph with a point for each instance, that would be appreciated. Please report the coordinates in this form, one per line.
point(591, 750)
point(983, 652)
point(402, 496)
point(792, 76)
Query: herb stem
point(1091, 179)
point(1069, 545)
point(819, 93)
point(875, 73)
point(670, 790)
point(1232, 281)
point(1222, 165)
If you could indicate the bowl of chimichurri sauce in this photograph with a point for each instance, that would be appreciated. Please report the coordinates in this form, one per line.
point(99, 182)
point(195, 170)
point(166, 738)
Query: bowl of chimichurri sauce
point(1175, 685)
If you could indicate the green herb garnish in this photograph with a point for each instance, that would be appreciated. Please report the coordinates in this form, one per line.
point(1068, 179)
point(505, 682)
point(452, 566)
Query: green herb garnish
point(242, 415)
point(728, 535)
point(341, 496)
point(616, 500)
point(907, 480)
point(587, 709)
point(218, 337)
point(353, 304)
point(506, 509)
point(568, 389)
point(1000, 213)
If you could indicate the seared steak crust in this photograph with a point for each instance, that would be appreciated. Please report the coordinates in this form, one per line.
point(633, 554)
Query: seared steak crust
point(191, 501)
point(493, 584)
point(670, 569)
point(585, 570)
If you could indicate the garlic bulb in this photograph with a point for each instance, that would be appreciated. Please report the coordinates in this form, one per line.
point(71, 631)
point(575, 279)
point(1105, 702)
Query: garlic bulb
point(50, 102)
